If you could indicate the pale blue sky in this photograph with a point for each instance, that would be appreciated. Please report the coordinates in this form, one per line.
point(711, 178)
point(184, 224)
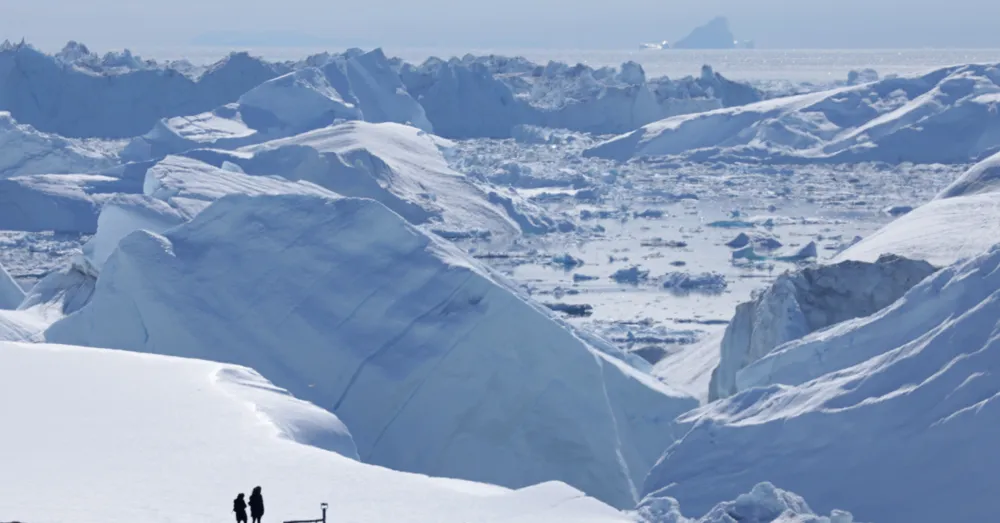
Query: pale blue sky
point(511, 23)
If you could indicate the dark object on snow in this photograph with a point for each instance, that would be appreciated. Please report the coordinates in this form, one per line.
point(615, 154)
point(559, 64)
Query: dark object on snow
point(240, 508)
point(256, 505)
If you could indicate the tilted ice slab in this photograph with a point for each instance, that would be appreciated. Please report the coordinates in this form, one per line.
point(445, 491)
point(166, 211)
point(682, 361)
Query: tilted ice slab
point(174, 190)
point(805, 301)
point(397, 165)
point(25, 150)
point(11, 293)
point(435, 365)
point(120, 437)
point(911, 414)
point(58, 202)
point(947, 116)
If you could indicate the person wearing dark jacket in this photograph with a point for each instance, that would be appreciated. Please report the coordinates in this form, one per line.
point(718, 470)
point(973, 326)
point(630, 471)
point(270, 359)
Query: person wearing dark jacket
point(256, 505)
point(240, 508)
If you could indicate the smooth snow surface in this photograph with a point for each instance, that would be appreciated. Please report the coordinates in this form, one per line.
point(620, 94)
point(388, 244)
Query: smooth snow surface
point(100, 436)
point(434, 365)
point(11, 293)
point(804, 301)
point(940, 232)
point(947, 116)
point(878, 412)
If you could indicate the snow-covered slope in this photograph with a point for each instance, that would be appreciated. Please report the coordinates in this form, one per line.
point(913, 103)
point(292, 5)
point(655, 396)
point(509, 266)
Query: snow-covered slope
point(984, 177)
point(911, 414)
point(940, 231)
point(100, 436)
point(805, 301)
point(947, 116)
point(58, 97)
point(11, 293)
point(489, 96)
point(24, 150)
point(434, 365)
point(397, 165)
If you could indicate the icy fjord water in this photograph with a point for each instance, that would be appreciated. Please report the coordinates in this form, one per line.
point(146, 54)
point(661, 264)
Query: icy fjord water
point(795, 65)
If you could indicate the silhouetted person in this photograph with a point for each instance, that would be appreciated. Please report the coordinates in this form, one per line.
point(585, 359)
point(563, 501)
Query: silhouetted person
point(256, 505)
point(240, 508)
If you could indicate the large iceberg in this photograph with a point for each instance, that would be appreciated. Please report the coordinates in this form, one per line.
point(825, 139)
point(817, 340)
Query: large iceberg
point(765, 503)
point(57, 96)
point(25, 150)
point(713, 35)
point(114, 435)
point(946, 116)
point(868, 415)
point(431, 360)
point(805, 301)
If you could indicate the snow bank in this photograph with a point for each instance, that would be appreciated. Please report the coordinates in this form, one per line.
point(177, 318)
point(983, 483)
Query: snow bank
point(150, 429)
point(805, 301)
point(490, 96)
point(765, 503)
point(116, 102)
point(25, 150)
point(911, 414)
point(941, 231)
point(435, 366)
point(11, 294)
point(984, 177)
point(947, 116)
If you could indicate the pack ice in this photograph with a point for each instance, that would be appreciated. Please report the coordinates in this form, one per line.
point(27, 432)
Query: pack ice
point(102, 436)
point(946, 116)
point(870, 414)
point(432, 361)
point(25, 150)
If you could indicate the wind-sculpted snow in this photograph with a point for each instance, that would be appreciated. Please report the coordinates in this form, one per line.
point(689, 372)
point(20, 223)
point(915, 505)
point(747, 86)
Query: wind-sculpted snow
point(161, 439)
point(947, 116)
point(489, 96)
point(25, 150)
point(11, 293)
point(53, 96)
point(805, 301)
point(878, 412)
point(765, 503)
point(434, 363)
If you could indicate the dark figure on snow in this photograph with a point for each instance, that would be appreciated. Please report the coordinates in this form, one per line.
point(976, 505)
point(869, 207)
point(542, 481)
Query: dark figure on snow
point(256, 505)
point(240, 508)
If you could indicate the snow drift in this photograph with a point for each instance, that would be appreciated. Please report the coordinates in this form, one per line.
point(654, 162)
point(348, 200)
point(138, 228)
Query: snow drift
point(805, 301)
point(902, 403)
point(947, 116)
point(436, 366)
point(151, 429)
